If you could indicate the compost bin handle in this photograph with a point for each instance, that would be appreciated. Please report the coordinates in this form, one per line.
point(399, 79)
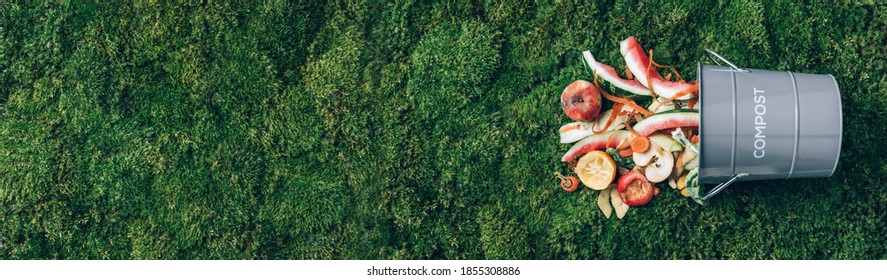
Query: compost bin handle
point(709, 53)
point(720, 187)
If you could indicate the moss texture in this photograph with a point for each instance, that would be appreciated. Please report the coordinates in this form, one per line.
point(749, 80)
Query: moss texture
point(395, 130)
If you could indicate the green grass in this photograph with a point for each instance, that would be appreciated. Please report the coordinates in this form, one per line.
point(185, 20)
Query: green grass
point(407, 130)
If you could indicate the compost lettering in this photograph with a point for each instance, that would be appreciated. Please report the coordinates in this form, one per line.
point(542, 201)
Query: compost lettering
point(760, 110)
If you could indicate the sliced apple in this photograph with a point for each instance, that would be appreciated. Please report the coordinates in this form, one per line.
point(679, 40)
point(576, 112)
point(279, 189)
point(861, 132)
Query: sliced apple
point(603, 202)
point(666, 142)
point(661, 167)
point(621, 208)
point(643, 159)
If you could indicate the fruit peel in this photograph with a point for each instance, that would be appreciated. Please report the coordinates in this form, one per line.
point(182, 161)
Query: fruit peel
point(618, 206)
point(603, 202)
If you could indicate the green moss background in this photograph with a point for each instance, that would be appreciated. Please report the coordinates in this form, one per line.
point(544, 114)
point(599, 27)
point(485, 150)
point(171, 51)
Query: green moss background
point(405, 130)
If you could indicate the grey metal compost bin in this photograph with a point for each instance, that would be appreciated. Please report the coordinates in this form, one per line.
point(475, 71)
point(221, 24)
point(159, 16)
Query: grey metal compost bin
point(760, 124)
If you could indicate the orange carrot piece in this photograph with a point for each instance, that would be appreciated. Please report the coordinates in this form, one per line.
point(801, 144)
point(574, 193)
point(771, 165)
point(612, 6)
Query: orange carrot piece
point(617, 108)
point(640, 144)
point(627, 152)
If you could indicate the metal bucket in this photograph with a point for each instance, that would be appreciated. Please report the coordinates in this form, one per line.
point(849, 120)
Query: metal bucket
point(760, 124)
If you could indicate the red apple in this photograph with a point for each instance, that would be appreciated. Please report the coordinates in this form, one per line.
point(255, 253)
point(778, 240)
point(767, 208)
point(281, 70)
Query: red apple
point(634, 189)
point(581, 101)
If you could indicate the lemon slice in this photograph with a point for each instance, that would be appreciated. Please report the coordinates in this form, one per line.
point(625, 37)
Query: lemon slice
point(596, 170)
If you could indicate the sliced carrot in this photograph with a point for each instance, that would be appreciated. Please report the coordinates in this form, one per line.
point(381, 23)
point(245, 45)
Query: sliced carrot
point(573, 165)
point(695, 139)
point(640, 144)
point(628, 73)
point(625, 152)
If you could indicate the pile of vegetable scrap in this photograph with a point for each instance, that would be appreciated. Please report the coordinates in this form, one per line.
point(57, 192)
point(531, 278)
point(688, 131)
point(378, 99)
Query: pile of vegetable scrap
point(624, 152)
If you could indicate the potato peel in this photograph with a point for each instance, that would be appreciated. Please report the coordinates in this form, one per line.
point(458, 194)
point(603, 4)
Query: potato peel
point(620, 207)
point(603, 202)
